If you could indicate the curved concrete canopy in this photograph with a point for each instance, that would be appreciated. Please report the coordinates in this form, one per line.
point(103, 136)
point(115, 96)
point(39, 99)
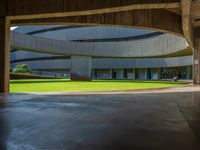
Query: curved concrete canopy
point(157, 46)
point(20, 55)
point(114, 63)
point(75, 33)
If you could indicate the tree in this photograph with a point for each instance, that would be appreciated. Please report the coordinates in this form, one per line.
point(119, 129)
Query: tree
point(23, 68)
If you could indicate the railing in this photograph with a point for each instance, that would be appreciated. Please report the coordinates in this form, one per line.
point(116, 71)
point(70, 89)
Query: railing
point(50, 74)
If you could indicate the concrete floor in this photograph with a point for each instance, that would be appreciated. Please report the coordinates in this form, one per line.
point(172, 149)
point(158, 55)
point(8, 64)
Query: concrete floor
point(151, 121)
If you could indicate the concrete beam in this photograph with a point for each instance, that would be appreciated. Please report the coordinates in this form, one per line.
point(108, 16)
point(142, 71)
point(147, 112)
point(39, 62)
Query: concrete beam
point(187, 21)
point(195, 9)
point(28, 9)
point(196, 23)
point(159, 20)
point(4, 54)
point(81, 68)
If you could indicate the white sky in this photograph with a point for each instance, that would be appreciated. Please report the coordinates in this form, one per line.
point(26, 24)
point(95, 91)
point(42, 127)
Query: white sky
point(12, 28)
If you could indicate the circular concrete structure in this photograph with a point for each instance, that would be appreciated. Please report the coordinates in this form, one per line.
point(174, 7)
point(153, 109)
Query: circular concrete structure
point(110, 53)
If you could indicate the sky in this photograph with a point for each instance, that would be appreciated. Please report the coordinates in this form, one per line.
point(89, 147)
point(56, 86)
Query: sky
point(12, 28)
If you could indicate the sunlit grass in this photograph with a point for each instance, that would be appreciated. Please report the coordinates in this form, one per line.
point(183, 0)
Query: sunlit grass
point(64, 85)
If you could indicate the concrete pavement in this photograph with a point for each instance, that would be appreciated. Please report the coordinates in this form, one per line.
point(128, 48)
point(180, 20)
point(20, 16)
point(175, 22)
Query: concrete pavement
point(142, 121)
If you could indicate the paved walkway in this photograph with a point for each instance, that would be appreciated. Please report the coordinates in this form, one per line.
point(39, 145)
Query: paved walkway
point(155, 120)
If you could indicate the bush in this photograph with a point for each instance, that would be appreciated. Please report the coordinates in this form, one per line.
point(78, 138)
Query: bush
point(23, 69)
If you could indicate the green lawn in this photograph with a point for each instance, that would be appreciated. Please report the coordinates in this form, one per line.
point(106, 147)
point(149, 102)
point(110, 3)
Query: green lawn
point(63, 85)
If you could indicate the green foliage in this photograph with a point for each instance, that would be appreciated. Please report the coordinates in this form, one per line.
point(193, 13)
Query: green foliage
point(22, 69)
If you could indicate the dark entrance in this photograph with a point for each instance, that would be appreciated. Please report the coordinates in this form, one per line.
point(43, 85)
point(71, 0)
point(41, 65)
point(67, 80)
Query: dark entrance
point(114, 75)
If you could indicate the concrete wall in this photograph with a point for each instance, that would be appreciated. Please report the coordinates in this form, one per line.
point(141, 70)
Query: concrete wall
point(81, 68)
point(20, 54)
point(46, 64)
point(114, 63)
point(156, 46)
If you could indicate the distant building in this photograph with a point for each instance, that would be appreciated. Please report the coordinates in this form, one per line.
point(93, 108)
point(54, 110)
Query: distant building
point(118, 53)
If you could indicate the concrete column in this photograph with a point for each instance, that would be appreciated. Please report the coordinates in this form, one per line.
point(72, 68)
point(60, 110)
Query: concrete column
point(196, 58)
point(93, 74)
point(81, 68)
point(110, 74)
point(189, 72)
point(4, 55)
point(134, 74)
point(159, 74)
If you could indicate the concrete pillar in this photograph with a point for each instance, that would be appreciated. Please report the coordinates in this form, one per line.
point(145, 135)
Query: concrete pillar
point(159, 73)
point(93, 76)
point(110, 74)
point(134, 74)
point(81, 68)
point(4, 55)
point(196, 58)
point(188, 72)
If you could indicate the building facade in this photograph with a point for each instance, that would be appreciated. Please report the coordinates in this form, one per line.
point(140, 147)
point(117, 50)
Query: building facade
point(116, 53)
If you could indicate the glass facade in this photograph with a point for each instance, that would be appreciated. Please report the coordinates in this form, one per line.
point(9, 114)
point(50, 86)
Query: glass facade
point(182, 73)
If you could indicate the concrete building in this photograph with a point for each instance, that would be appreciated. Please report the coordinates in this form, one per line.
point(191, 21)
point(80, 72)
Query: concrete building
point(170, 16)
point(89, 52)
point(158, 120)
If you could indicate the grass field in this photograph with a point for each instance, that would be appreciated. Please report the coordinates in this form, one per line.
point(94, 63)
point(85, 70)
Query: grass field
point(63, 85)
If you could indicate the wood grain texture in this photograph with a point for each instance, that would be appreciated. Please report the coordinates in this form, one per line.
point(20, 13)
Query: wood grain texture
point(4, 54)
point(29, 9)
point(160, 20)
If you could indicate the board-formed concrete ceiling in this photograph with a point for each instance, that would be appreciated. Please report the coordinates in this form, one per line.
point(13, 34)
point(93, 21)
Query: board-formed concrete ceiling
point(181, 17)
